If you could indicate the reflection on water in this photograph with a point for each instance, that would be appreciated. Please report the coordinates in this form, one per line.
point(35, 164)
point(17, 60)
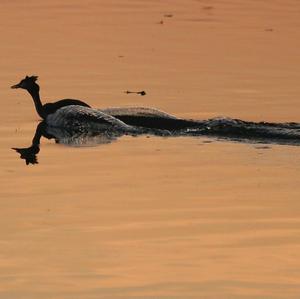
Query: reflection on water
point(222, 128)
point(29, 154)
point(63, 136)
point(153, 218)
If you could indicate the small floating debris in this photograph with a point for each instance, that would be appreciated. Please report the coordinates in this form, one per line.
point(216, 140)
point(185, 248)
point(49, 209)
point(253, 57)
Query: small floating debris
point(263, 147)
point(168, 15)
point(142, 93)
point(269, 29)
point(161, 22)
point(207, 7)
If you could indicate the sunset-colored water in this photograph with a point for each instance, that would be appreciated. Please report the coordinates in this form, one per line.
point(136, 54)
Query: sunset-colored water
point(151, 217)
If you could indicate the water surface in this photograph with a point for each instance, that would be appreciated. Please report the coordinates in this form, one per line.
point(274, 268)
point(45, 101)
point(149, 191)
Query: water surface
point(151, 217)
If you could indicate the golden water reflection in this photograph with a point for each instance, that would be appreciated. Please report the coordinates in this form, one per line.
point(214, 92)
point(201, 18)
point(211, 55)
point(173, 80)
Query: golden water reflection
point(151, 217)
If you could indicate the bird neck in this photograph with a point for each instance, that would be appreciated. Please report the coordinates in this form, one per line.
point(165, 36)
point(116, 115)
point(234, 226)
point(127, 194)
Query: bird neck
point(34, 92)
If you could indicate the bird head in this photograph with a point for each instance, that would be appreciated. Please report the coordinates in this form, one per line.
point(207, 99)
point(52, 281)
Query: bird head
point(26, 83)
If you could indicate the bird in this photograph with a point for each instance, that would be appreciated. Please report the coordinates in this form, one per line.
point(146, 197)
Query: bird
point(68, 113)
point(71, 113)
point(70, 119)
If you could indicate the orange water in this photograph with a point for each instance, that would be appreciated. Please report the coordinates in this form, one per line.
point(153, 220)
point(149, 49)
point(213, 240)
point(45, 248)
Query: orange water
point(151, 217)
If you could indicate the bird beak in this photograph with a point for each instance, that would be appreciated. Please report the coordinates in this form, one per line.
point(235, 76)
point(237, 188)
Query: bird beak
point(16, 86)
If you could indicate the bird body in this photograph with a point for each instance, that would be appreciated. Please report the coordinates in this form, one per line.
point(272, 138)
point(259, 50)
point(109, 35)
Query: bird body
point(83, 117)
point(53, 107)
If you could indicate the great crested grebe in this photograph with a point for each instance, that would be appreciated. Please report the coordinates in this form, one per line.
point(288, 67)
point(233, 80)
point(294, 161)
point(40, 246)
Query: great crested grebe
point(73, 122)
point(68, 112)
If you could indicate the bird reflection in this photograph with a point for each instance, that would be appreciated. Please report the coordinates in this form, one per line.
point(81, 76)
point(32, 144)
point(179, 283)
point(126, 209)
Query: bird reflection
point(78, 138)
point(29, 154)
point(218, 128)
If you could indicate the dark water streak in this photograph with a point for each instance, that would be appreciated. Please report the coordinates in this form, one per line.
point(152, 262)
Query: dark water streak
point(218, 128)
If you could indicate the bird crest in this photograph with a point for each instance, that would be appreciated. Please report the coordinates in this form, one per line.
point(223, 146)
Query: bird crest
point(32, 78)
